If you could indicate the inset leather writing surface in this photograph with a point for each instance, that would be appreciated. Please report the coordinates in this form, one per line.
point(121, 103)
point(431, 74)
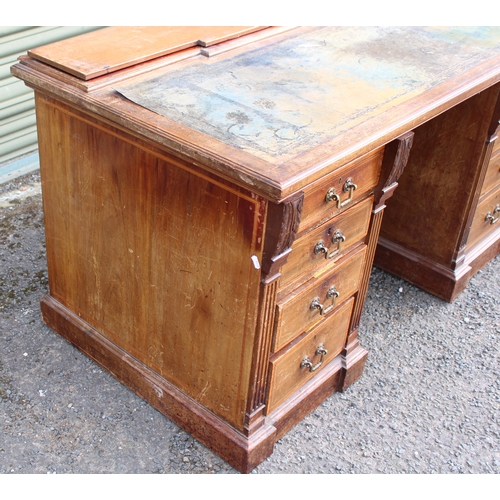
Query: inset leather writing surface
point(281, 100)
point(120, 47)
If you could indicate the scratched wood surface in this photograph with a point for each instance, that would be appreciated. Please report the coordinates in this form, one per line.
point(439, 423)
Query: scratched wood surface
point(279, 101)
point(161, 261)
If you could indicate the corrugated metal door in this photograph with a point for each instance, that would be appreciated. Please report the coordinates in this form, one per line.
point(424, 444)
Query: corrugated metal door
point(17, 107)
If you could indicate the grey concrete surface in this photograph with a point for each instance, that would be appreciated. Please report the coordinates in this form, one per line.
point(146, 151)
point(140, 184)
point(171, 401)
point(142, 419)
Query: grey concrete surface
point(428, 402)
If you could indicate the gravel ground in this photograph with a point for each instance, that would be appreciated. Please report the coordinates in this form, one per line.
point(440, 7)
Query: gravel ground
point(428, 402)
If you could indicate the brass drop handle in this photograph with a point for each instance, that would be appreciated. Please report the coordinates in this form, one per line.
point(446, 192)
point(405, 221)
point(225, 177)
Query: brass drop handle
point(320, 247)
point(331, 294)
point(306, 363)
point(338, 238)
point(491, 216)
point(348, 187)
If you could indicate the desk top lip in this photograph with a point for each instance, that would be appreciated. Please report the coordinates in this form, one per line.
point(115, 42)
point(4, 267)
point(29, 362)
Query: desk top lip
point(282, 179)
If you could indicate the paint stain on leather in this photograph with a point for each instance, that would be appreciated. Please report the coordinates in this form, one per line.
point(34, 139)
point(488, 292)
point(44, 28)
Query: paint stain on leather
point(238, 117)
point(265, 103)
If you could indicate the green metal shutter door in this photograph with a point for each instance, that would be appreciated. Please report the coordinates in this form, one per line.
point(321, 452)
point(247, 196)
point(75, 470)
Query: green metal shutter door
point(17, 107)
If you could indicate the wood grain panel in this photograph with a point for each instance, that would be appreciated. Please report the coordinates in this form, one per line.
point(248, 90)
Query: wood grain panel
point(438, 186)
point(161, 261)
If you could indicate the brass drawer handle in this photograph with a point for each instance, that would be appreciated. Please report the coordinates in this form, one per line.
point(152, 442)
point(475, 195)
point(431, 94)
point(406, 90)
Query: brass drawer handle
point(306, 363)
point(331, 294)
point(349, 187)
point(338, 238)
point(491, 216)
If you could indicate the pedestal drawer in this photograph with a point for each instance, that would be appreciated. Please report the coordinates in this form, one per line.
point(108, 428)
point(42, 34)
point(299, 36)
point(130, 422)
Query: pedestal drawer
point(492, 178)
point(328, 242)
point(316, 300)
point(496, 146)
point(486, 218)
point(341, 190)
point(303, 359)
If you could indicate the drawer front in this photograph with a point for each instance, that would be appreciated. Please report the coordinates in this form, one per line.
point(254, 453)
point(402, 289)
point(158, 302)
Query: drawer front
point(316, 300)
point(290, 371)
point(486, 218)
point(327, 243)
point(492, 178)
point(496, 146)
point(341, 190)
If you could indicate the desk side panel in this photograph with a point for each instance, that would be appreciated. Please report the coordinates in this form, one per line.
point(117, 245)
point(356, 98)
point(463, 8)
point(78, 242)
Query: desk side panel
point(428, 213)
point(157, 257)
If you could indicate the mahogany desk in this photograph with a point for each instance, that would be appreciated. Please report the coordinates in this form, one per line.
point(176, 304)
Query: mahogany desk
point(213, 199)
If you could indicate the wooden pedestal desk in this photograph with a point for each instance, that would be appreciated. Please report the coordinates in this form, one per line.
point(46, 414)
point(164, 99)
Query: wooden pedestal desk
point(213, 198)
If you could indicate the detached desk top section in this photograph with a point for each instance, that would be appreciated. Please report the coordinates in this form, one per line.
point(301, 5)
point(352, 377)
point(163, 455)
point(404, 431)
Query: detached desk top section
point(270, 108)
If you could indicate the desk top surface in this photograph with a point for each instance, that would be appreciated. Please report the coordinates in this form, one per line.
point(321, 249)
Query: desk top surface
point(280, 113)
point(279, 101)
